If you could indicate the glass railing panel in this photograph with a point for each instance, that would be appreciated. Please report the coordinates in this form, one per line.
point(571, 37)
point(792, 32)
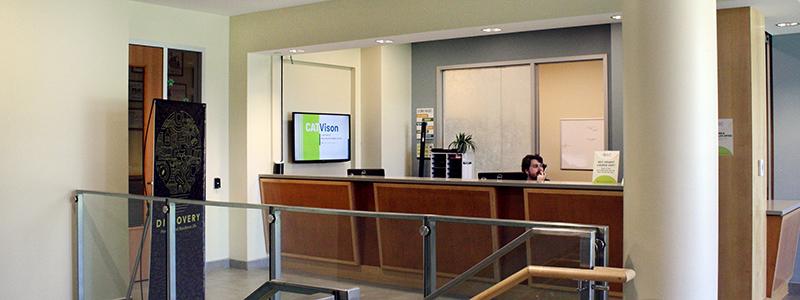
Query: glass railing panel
point(382, 258)
point(109, 235)
point(236, 256)
point(380, 254)
point(501, 251)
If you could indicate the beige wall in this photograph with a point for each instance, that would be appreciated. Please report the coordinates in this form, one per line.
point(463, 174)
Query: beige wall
point(324, 82)
point(63, 86)
point(338, 21)
point(371, 104)
point(568, 90)
point(208, 33)
point(395, 108)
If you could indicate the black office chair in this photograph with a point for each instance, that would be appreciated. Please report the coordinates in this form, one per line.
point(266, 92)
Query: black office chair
point(366, 172)
point(503, 175)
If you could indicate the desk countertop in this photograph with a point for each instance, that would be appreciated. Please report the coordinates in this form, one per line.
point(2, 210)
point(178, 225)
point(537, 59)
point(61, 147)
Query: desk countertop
point(458, 181)
point(781, 207)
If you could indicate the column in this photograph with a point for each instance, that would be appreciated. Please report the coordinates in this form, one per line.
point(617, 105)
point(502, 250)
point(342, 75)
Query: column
point(670, 133)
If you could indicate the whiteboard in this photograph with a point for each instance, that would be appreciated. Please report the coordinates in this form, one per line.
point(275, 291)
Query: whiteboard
point(580, 138)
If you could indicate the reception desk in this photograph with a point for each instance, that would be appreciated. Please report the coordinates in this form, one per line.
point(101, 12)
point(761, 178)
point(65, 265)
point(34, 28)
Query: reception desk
point(783, 229)
point(394, 246)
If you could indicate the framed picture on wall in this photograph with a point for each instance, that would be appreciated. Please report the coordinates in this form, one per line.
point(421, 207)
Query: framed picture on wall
point(175, 63)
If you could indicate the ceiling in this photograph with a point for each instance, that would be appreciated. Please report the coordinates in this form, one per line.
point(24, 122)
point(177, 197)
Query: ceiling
point(231, 7)
point(775, 11)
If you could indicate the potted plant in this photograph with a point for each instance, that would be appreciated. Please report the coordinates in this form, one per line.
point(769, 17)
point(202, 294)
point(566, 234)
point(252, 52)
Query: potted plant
point(463, 144)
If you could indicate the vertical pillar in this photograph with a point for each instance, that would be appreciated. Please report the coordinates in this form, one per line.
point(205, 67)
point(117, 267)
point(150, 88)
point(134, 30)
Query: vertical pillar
point(670, 133)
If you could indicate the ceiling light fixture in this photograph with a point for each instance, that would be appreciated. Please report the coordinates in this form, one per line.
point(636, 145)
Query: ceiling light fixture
point(384, 41)
point(296, 50)
point(491, 29)
point(616, 17)
point(787, 24)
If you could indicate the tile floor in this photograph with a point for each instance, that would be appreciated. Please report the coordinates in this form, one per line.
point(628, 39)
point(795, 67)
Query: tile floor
point(225, 284)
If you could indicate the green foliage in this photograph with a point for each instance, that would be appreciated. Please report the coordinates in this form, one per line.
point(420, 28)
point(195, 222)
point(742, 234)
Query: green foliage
point(463, 143)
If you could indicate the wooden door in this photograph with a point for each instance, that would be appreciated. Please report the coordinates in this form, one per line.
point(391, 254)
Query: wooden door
point(150, 62)
point(151, 59)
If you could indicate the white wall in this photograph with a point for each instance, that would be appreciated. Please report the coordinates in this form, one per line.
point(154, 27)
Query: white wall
point(385, 102)
point(63, 85)
point(208, 33)
point(348, 58)
point(395, 107)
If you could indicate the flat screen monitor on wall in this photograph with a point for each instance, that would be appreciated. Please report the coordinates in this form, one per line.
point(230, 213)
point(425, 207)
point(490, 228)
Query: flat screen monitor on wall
point(321, 137)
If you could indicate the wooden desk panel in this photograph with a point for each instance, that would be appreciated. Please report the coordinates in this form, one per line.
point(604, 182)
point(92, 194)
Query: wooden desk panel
point(317, 237)
point(459, 246)
point(582, 207)
point(367, 227)
point(782, 233)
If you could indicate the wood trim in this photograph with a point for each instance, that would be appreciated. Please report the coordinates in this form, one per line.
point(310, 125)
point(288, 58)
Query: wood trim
point(492, 192)
point(742, 192)
point(378, 224)
point(573, 192)
point(312, 182)
point(773, 244)
point(613, 275)
point(354, 226)
point(320, 259)
point(782, 236)
point(351, 203)
point(611, 202)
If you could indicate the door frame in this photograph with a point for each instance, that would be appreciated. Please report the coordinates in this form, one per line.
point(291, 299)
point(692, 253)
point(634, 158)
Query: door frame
point(165, 47)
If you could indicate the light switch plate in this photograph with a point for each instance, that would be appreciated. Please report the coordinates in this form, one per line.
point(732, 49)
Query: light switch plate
point(761, 168)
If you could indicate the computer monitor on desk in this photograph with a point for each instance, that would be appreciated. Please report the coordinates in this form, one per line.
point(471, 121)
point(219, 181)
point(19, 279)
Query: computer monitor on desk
point(503, 175)
point(366, 172)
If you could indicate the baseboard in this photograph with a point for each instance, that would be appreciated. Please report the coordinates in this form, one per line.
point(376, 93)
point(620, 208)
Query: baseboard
point(250, 265)
point(237, 264)
point(794, 287)
point(218, 264)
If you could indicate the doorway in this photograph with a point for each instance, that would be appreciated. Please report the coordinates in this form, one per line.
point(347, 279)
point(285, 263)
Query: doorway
point(152, 71)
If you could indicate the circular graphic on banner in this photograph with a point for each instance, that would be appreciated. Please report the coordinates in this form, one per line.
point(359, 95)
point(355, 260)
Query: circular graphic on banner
point(179, 153)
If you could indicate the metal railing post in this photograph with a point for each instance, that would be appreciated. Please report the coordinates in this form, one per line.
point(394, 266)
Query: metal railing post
point(428, 232)
point(171, 271)
point(274, 219)
point(601, 260)
point(79, 244)
point(587, 261)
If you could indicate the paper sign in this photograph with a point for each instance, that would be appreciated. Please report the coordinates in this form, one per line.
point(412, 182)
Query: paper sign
point(725, 137)
point(605, 169)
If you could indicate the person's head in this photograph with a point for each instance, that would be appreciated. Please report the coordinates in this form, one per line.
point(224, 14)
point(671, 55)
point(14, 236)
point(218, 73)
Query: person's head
point(532, 165)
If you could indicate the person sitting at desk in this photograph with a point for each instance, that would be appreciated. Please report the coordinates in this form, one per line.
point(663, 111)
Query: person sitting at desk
point(533, 166)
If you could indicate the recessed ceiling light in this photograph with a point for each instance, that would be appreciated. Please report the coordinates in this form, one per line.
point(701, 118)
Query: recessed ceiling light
point(787, 24)
point(296, 50)
point(616, 17)
point(384, 41)
point(491, 29)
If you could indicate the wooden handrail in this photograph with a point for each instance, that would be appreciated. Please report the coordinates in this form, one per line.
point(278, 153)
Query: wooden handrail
point(615, 275)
